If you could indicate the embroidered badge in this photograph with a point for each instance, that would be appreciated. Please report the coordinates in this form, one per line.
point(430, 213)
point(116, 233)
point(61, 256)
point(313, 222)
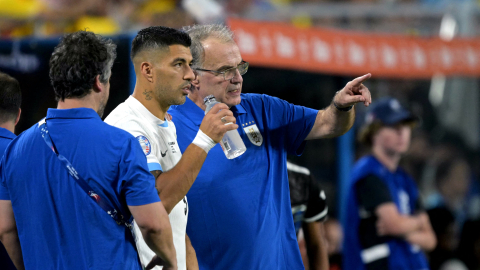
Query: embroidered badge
point(254, 134)
point(145, 144)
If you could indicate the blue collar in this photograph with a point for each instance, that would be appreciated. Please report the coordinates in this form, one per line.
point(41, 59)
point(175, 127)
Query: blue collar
point(5, 133)
point(239, 109)
point(77, 113)
point(191, 111)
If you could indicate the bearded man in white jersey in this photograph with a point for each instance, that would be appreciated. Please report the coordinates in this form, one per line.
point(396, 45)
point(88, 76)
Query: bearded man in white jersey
point(162, 59)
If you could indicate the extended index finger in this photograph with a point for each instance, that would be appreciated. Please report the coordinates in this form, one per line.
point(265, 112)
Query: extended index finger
point(361, 79)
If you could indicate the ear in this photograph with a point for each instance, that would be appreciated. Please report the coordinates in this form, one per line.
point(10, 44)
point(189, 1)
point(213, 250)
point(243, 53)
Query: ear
point(18, 116)
point(146, 70)
point(196, 83)
point(98, 85)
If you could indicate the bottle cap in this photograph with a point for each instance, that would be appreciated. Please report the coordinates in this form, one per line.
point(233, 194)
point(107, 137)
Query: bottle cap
point(208, 98)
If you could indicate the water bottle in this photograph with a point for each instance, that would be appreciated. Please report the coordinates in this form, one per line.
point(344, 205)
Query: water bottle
point(232, 144)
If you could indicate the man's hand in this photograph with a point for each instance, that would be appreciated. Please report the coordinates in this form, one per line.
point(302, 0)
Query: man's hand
point(213, 124)
point(354, 92)
point(158, 261)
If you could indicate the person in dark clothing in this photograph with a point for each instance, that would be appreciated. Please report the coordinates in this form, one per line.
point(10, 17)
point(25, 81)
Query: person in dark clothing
point(309, 210)
point(386, 227)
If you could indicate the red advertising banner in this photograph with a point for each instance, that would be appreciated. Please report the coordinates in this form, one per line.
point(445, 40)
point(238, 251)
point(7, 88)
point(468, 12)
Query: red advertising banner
point(353, 53)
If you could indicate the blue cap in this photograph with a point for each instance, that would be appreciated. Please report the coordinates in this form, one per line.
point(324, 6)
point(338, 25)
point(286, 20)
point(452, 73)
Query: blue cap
point(388, 111)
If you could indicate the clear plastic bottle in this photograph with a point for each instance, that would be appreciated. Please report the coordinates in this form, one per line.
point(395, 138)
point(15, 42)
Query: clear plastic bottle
point(232, 144)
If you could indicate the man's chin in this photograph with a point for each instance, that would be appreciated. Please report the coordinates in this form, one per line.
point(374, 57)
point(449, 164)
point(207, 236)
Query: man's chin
point(182, 100)
point(234, 102)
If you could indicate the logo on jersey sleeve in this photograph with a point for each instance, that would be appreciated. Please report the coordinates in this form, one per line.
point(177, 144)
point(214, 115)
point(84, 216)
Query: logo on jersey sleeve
point(145, 144)
point(253, 133)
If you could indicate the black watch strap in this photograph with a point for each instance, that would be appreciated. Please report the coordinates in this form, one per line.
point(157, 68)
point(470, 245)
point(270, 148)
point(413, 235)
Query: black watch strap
point(344, 109)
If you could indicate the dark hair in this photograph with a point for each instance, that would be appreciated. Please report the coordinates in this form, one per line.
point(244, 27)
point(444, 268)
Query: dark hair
point(158, 37)
point(76, 62)
point(10, 98)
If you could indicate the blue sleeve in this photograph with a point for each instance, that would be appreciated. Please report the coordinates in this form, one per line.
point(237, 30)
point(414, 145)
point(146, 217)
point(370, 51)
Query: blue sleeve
point(297, 121)
point(4, 194)
point(138, 184)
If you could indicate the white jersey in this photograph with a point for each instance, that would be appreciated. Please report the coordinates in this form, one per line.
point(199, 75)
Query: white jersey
point(159, 143)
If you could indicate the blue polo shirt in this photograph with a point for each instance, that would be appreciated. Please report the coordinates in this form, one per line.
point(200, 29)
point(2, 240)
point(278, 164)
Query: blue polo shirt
point(59, 226)
point(6, 136)
point(240, 215)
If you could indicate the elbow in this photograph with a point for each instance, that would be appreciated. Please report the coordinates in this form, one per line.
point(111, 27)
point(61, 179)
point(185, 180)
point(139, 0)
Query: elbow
point(5, 231)
point(156, 227)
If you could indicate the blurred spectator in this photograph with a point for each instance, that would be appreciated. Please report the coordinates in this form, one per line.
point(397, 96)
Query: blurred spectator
point(443, 223)
point(456, 189)
point(386, 227)
point(469, 246)
point(334, 236)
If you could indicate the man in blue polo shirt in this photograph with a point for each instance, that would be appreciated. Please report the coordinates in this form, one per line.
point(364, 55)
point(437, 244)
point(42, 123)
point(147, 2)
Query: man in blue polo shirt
point(59, 224)
point(10, 101)
point(240, 215)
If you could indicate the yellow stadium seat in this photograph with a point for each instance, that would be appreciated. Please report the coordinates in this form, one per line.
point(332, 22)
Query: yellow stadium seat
point(20, 9)
point(98, 25)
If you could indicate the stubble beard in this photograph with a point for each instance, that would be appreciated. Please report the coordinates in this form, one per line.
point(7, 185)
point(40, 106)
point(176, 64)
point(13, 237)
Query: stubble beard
point(169, 101)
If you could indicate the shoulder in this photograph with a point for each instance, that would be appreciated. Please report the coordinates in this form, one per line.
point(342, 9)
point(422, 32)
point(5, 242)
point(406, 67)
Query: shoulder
point(119, 115)
point(364, 166)
point(129, 123)
point(23, 141)
point(260, 98)
point(4, 142)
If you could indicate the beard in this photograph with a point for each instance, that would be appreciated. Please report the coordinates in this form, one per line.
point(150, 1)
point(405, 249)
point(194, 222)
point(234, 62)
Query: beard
point(167, 95)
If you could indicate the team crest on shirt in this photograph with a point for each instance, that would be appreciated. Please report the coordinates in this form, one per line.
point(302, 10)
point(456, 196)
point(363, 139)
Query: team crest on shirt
point(145, 144)
point(253, 133)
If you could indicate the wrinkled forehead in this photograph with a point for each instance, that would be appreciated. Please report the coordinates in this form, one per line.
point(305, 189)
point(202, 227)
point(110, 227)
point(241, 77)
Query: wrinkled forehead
point(220, 54)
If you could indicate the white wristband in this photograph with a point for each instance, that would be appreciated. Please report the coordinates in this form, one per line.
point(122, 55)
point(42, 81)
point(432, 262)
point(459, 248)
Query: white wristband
point(203, 141)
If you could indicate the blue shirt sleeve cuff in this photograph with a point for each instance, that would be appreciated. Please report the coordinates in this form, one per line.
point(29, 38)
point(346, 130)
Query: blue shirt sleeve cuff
point(154, 167)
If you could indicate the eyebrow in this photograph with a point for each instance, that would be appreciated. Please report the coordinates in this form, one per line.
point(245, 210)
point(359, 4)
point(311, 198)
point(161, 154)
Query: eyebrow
point(224, 67)
point(179, 59)
point(228, 66)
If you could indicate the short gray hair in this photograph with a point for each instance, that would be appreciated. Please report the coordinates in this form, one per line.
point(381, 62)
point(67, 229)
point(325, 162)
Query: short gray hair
point(199, 33)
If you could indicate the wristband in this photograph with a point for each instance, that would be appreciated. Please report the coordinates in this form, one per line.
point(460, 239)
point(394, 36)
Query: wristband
point(203, 141)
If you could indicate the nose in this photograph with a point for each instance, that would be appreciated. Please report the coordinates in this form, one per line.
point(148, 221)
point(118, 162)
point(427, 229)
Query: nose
point(190, 75)
point(237, 78)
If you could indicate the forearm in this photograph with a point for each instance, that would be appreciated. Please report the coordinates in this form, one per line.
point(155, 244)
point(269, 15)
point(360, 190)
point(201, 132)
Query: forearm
point(316, 245)
point(174, 184)
point(402, 225)
point(161, 242)
point(12, 245)
point(424, 239)
point(192, 263)
point(318, 256)
point(331, 122)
